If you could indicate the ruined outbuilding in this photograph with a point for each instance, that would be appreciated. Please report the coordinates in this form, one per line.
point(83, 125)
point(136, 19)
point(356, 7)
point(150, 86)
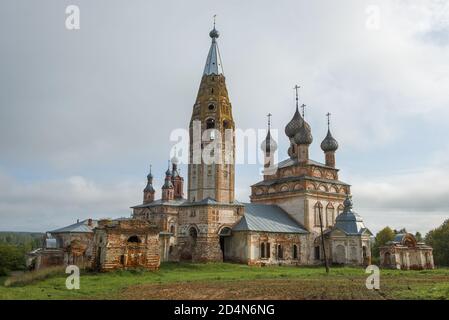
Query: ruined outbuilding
point(126, 243)
point(405, 253)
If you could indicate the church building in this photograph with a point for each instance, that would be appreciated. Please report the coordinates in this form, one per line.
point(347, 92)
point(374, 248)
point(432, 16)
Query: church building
point(298, 201)
point(298, 214)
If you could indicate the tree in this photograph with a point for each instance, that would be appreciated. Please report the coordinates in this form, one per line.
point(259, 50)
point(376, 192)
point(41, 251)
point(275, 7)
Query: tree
point(438, 239)
point(382, 237)
point(418, 236)
point(11, 258)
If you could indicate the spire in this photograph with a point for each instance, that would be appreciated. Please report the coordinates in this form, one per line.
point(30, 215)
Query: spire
point(213, 62)
point(148, 192)
point(269, 146)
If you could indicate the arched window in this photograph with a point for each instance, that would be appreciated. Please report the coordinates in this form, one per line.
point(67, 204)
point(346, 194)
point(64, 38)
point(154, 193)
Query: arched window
point(193, 234)
point(262, 250)
point(172, 229)
point(318, 210)
point(295, 252)
point(330, 215)
point(280, 253)
point(317, 253)
point(134, 239)
point(210, 123)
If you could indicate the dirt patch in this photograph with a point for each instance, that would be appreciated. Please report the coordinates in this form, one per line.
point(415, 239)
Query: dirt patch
point(278, 289)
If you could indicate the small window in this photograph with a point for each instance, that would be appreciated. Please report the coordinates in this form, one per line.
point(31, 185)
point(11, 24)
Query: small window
point(262, 250)
point(170, 249)
point(122, 259)
point(268, 250)
point(210, 124)
point(211, 107)
point(295, 252)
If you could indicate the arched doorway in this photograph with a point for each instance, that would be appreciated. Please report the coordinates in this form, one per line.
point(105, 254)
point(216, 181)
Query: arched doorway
point(224, 235)
point(387, 259)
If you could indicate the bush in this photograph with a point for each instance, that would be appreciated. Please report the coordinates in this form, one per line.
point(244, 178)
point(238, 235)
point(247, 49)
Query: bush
point(11, 258)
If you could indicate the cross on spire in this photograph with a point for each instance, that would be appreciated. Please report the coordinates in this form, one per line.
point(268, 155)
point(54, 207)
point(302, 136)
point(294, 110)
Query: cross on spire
point(303, 107)
point(269, 120)
point(296, 87)
point(328, 115)
point(150, 168)
point(214, 19)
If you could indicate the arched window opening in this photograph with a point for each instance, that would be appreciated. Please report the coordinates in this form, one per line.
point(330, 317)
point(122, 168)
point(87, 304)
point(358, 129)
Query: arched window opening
point(210, 124)
point(317, 253)
point(134, 239)
point(280, 253)
point(318, 211)
point(193, 234)
point(295, 252)
point(172, 230)
point(262, 250)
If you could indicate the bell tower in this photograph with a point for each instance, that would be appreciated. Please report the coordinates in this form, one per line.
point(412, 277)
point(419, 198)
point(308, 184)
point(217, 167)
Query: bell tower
point(212, 143)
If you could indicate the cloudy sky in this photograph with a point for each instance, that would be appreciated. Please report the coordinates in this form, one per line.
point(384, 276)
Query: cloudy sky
point(84, 112)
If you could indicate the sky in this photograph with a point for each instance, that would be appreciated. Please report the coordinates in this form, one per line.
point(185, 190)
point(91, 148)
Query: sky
point(83, 113)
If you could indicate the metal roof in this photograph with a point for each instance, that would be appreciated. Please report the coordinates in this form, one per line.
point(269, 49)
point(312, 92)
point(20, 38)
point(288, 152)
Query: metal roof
point(160, 202)
point(349, 221)
point(213, 62)
point(79, 227)
point(297, 178)
point(267, 218)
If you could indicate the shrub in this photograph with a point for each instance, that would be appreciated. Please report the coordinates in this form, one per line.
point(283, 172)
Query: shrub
point(11, 258)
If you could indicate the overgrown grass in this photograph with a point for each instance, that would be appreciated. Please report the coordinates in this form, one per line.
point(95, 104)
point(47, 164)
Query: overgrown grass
point(110, 285)
point(33, 276)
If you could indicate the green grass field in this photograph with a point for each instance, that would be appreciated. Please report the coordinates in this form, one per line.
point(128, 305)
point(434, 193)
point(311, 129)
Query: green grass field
point(234, 281)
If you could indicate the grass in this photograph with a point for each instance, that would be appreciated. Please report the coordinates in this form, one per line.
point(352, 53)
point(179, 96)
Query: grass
point(135, 284)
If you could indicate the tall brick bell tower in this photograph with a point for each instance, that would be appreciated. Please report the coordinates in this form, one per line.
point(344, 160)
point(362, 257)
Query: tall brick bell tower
point(210, 125)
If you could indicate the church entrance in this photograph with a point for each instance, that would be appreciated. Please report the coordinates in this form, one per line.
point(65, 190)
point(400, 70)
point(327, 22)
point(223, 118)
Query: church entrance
point(224, 234)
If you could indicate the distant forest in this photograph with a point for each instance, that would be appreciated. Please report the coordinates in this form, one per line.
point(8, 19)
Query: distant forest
point(14, 246)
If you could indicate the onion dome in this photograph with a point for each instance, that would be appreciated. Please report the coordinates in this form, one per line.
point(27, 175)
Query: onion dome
point(214, 34)
point(168, 173)
point(269, 145)
point(149, 187)
point(167, 184)
point(329, 143)
point(348, 203)
point(294, 125)
point(304, 135)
